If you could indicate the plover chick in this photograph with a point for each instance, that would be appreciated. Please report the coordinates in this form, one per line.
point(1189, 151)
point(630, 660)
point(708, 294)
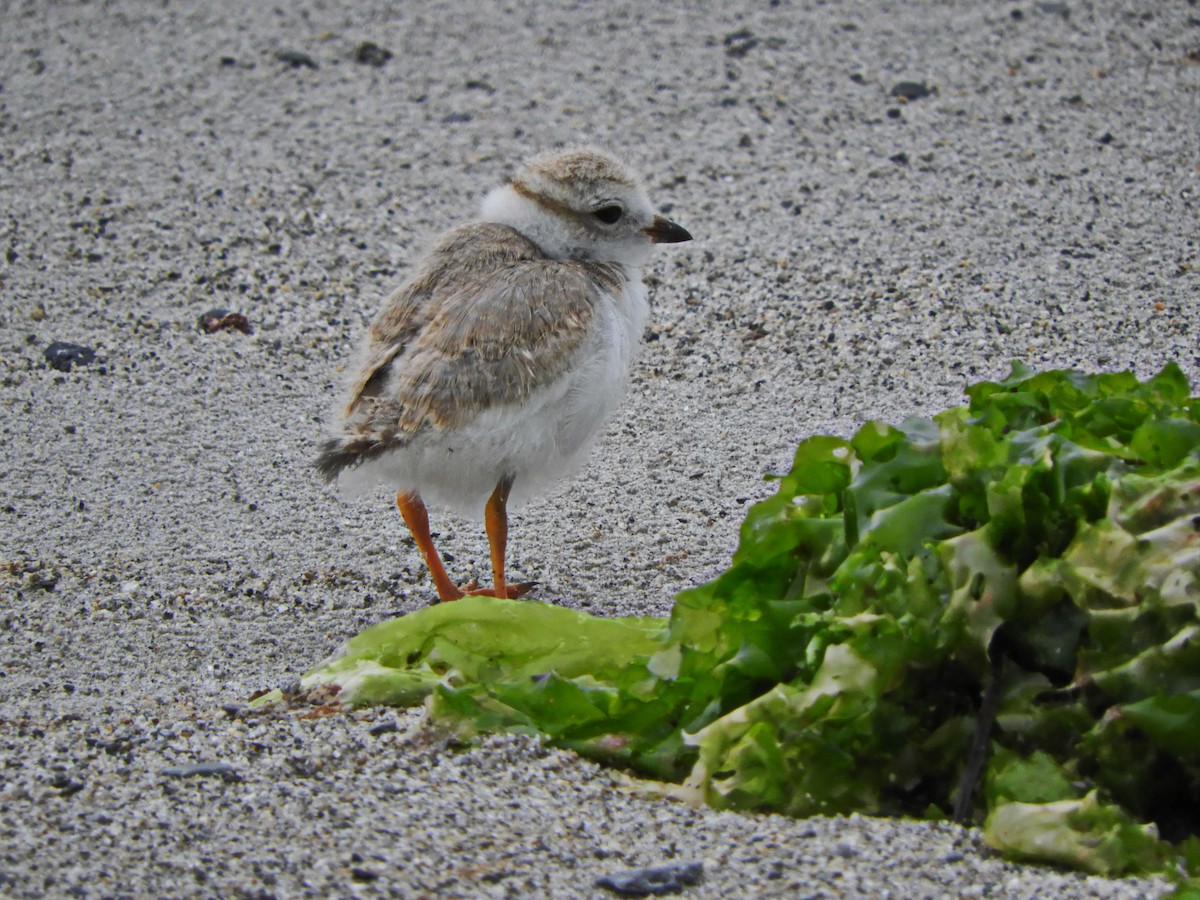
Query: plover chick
point(487, 375)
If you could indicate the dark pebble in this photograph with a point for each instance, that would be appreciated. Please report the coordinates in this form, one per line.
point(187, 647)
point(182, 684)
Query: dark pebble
point(358, 873)
point(371, 54)
point(653, 881)
point(217, 769)
point(61, 355)
point(387, 727)
point(739, 43)
point(900, 159)
point(218, 319)
point(113, 747)
point(65, 785)
point(911, 90)
point(1106, 138)
point(44, 580)
point(456, 118)
point(296, 59)
point(893, 113)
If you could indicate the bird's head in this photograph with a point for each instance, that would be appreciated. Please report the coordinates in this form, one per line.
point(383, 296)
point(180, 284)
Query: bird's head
point(582, 204)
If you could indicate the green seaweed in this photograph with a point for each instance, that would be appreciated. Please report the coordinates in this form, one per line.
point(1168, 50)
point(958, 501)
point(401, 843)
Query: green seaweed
point(1051, 525)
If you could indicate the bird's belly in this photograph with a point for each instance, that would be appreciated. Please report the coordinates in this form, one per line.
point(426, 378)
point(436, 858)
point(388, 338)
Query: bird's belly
point(537, 442)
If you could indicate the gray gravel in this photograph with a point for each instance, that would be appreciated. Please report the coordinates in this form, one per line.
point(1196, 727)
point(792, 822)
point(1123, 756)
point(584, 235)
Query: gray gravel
point(167, 549)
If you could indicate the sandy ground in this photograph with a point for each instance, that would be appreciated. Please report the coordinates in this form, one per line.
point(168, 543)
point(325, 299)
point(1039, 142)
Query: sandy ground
point(168, 549)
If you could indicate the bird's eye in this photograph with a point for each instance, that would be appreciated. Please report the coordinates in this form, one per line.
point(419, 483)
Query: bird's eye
point(609, 215)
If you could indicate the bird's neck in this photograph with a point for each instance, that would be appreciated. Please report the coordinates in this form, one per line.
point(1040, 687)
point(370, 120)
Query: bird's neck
point(506, 206)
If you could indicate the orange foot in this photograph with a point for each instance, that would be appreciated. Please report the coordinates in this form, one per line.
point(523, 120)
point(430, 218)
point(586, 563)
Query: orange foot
point(472, 589)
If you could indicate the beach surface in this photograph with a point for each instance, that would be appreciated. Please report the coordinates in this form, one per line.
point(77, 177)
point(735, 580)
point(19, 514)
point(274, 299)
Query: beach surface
point(168, 551)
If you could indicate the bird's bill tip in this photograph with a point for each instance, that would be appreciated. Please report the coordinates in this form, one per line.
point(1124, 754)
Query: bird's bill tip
point(664, 231)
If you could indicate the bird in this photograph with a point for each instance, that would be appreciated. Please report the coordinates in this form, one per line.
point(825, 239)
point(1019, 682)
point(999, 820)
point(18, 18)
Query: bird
point(486, 376)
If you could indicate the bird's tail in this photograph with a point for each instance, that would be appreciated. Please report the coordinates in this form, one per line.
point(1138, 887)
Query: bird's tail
point(339, 453)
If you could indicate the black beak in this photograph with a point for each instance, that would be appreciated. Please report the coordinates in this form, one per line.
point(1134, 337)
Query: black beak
point(664, 231)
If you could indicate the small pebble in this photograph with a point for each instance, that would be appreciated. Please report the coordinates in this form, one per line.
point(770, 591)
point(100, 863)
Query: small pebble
point(653, 881)
point(44, 579)
point(296, 59)
point(65, 785)
point(911, 90)
point(739, 43)
point(219, 319)
point(371, 54)
point(1054, 9)
point(61, 355)
point(218, 769)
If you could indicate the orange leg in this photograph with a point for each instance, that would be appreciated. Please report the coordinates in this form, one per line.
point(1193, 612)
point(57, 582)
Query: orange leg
point(495, 520)
point(412, 510)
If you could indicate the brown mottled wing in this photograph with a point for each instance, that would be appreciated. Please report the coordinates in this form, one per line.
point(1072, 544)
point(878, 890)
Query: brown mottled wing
point(409, 308)
point(487, 322)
